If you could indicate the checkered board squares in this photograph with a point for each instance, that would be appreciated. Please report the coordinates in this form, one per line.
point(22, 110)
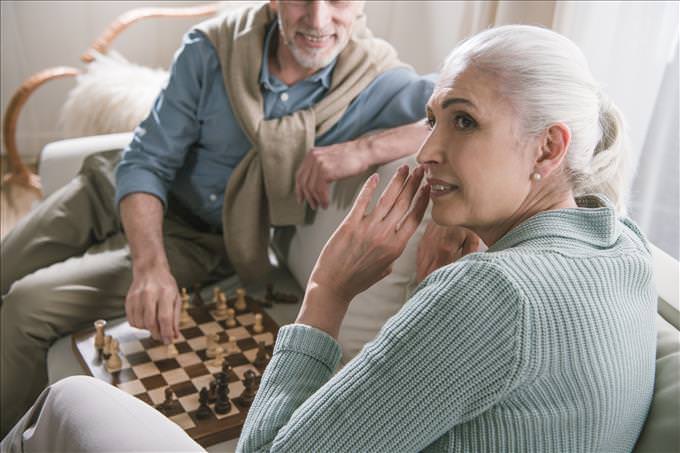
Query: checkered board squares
point(147, 370)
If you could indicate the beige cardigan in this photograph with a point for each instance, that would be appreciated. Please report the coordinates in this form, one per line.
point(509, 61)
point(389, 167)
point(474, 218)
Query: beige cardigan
point(261, 190)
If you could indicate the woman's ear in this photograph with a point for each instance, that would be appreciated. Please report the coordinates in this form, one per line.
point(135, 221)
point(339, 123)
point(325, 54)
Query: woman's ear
point(553, 149)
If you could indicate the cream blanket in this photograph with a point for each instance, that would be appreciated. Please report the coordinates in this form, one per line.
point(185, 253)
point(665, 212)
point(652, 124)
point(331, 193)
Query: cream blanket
point(261, 190)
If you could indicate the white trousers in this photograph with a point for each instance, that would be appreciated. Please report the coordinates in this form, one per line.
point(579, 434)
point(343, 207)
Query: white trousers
point(84, 414)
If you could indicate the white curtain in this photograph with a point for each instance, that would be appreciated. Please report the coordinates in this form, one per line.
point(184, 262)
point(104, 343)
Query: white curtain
point(632, 50)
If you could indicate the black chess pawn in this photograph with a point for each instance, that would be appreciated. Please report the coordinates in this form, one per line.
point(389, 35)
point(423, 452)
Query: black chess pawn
point(197, 300)
point(212, 393)
point(168, 402)
point(262, 358)
point(248, 394)
point(203, 411)
point(226, 368)
point(222, 406)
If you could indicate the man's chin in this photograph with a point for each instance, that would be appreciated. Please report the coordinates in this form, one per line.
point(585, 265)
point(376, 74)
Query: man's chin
point(314, 62)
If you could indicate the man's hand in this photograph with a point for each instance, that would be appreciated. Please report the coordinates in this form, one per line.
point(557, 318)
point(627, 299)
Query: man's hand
point(153, 303)
point(440, 246)
point(322, 166)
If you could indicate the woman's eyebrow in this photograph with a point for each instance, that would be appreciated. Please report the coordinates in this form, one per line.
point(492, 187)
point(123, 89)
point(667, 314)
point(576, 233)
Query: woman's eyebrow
point(450, 101)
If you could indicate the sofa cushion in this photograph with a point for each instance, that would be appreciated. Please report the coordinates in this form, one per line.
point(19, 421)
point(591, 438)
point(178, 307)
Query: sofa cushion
point(661, 432)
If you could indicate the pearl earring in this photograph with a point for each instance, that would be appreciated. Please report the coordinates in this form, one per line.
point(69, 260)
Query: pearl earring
point(536, 176)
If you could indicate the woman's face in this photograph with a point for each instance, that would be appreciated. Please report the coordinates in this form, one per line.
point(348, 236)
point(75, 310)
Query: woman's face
point(477, 162)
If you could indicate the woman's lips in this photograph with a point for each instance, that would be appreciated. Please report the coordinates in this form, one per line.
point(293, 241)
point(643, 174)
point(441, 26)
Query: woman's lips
point(439, 187)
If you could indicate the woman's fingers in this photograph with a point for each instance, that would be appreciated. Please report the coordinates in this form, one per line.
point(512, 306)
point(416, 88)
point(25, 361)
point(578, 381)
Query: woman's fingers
point(391, 192)
point(408, 225)
point(363, 199)
point(404, 199)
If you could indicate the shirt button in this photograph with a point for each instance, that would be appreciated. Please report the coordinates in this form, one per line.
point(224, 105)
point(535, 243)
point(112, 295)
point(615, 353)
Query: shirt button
point(213, 197)
point(284, 97)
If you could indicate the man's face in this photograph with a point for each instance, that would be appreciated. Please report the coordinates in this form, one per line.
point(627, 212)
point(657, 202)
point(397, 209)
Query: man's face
point(316, 31)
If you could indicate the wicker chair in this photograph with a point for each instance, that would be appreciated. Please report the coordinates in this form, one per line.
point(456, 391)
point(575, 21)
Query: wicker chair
point(19, 173)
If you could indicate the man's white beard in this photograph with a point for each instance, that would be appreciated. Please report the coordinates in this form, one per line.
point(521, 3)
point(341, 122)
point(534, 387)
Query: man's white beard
point(313, 59)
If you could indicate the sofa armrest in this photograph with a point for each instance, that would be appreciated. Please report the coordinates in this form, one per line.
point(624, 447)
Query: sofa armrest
point(60, 161)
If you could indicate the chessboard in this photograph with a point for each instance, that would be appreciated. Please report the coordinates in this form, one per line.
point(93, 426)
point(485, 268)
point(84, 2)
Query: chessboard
point(148, 369)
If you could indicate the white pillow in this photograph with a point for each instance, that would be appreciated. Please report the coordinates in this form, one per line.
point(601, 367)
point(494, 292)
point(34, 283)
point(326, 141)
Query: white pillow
point(370, 309)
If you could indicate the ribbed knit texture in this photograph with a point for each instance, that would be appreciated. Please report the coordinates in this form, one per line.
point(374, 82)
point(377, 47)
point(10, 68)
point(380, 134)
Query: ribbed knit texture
point(543, 343)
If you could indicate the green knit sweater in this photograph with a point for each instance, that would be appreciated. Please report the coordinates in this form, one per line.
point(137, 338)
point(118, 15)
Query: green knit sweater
point(545, 342)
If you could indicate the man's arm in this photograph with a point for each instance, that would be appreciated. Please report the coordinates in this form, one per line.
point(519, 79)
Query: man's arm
point(152, 301)
point(326, 164)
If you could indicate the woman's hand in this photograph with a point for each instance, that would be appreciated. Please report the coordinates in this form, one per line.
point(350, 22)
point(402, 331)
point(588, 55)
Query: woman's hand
point(362, 249)
point(440, 246)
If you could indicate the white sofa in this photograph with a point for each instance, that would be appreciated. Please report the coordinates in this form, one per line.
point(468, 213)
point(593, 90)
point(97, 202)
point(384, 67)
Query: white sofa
point(60, 161)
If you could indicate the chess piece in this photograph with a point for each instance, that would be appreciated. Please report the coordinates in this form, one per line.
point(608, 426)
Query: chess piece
point(257, 327)
point(203, 411)
point(197, 301)
point(218, 360)
point(222, 406)
point(113, 363)
point(249, 391)
point(184, 317)
point(221, 309)
point(172, 350)
point(226, 368)
point(99, 336)
point(213, 346)
point(232, 347)
point(262, 358)
point(231, 317)
point(216, 293)
point(169, 401)
point(212, 393)
point(240, 305)
point(106, 350)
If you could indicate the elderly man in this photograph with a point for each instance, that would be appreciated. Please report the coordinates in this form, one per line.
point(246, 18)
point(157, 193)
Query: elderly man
point(261, 112)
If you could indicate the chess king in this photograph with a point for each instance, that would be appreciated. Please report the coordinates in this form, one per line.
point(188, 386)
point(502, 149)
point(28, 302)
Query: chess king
point(263, 109)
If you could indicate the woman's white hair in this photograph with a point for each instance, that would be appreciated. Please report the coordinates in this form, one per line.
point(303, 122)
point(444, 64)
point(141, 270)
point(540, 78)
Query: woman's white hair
point(546, 78)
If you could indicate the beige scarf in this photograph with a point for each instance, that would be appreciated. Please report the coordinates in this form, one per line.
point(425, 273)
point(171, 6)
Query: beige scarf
point(261, 190)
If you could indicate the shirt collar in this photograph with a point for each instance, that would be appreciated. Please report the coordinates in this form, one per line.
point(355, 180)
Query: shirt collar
point(271, 83)
point(594, 222)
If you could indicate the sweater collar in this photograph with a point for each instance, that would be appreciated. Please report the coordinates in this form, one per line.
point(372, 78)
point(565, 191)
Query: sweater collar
point(594, 222)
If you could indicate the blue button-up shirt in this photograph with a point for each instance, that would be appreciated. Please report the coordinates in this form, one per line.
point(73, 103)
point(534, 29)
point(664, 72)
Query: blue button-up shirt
point(191, 142)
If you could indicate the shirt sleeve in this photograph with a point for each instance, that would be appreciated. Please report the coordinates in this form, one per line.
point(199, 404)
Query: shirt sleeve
point(161, 142)
point(453, 351)
point(394, 98)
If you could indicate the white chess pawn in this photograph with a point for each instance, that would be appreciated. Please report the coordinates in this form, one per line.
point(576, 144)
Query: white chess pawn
point(99, 335)
point(257, 327)
point(231, 320)
point(213, 346)
point(221, 304)
point(240, 304)
point(113, 363)
point(184, 317)
point(106, 350)
point(231, 345)
point(172, 350)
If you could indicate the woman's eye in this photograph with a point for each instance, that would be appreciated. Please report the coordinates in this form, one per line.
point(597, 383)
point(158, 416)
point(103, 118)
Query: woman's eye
point(429, 122)
point(464, 122)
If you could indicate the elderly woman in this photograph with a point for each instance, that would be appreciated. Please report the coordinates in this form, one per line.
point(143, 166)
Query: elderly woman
point(545, 341)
